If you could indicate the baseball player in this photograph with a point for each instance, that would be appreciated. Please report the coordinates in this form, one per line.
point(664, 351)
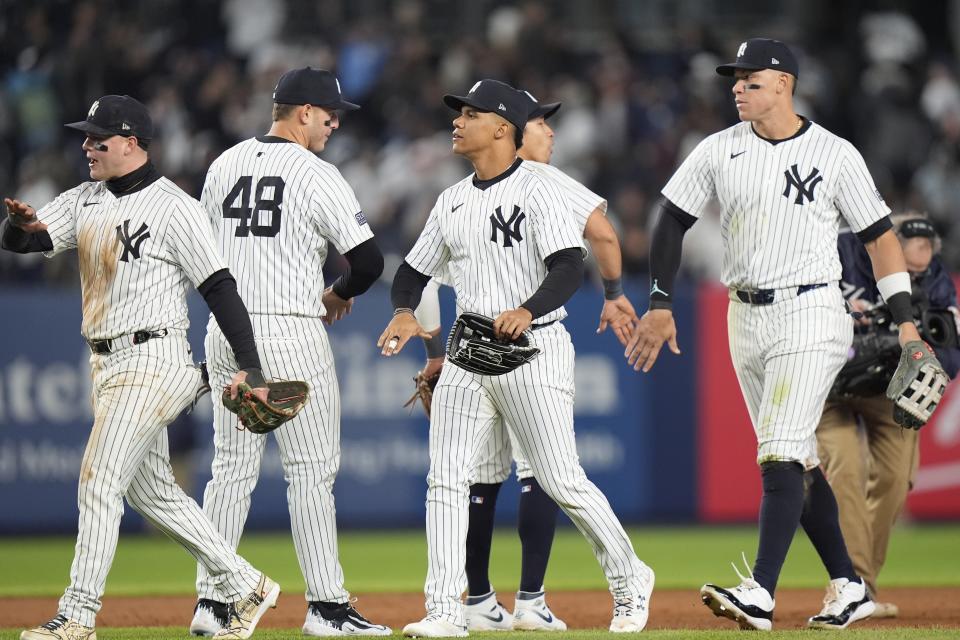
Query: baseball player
point(538, 512)
point(274, 207)
point(141, 242)
point(871, 482)
point(513, 254)
point(782, 182)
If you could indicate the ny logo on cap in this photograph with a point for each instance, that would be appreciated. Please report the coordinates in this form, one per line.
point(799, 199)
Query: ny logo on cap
point(474, 87)
point(339, 91)
point(742, 50)
point(530, 95)
point(93, 108)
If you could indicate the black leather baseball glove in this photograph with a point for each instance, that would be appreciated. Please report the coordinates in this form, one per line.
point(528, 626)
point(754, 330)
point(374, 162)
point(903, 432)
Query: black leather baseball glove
point(473, 346)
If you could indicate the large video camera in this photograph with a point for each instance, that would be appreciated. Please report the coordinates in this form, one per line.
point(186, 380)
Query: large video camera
point(875, 352)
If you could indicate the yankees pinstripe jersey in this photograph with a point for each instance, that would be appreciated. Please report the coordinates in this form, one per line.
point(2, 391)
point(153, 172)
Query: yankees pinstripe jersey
point(138, 254)
point(580, 200)
point(781, 202)
point(493, 236)
point(274, 230)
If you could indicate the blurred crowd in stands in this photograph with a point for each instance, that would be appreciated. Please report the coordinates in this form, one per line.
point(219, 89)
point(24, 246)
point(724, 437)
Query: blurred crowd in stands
point(636, 80)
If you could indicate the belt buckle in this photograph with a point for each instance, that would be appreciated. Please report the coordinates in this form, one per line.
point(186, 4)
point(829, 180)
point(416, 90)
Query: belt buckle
point(139, 337)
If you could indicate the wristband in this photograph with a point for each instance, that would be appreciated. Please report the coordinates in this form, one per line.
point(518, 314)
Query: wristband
point(436, 346)
point(894, 283)
point(400, 310)
point(613, 288)
point(900, 307)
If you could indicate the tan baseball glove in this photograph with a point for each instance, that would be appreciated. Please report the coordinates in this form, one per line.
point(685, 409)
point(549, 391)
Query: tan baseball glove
point(423, 390)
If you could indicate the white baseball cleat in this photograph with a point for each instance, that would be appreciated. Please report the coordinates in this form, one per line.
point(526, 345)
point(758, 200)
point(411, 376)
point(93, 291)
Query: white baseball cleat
point(433, 626)
point(60, 628)
point(748, 604)
point(630, 615)
point(484, 613)
point(209, 617)
point(531, 613)
point(845, 603)
point(325, 619)
point(246, 612)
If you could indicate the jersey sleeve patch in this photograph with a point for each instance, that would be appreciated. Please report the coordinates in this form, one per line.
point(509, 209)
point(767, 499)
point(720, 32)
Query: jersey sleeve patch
point(361, 219)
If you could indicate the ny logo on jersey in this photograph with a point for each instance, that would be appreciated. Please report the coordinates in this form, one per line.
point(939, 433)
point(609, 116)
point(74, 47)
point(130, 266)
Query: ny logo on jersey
point(805, 187)
point(131, 243)
point(509, 235)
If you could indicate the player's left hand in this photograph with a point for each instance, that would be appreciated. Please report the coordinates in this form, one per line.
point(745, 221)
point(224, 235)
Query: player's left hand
point(510, 324)
point(336, 306)
point(620, 316)
point(253, 377)
point(654, 328)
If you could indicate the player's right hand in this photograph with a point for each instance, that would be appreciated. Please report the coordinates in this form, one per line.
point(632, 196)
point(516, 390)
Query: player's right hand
point(23, 216)
point(620, 316)
point(654, 328)
point(402, 327)
point(336, 306)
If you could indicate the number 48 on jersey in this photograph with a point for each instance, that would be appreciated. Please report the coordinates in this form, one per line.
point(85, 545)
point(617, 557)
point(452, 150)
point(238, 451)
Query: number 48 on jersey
point(267, 200)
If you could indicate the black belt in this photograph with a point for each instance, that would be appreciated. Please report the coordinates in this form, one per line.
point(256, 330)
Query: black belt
point(103, 347)
point(767, 296)
point(541, 326)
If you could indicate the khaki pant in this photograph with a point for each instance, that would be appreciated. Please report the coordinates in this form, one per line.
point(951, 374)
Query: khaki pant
point(870, 462)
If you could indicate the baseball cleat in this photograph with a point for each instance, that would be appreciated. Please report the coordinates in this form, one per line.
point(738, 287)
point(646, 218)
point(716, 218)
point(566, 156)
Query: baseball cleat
point(845, 603)
point(433, 626)
point(484, 613)
point(60, 628)
point(531, 613)
point(209, 616)
point(630, 615)
point(749, 604)
point(246, 613)
point(339, 619)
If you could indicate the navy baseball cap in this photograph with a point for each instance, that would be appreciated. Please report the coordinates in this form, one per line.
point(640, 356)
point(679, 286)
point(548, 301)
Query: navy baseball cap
point(496, 97)
point(318, 87)
point(538, 110)
point(762, 53)
point(116, 116)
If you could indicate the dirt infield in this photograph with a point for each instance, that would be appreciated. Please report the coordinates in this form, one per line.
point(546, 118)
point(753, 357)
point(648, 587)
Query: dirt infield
point(672, 609)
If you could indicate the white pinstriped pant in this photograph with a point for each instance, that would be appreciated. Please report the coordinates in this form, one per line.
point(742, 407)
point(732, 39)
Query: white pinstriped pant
point(536, 401)
point(787, 355)
point(292, 348)
point(137, 392)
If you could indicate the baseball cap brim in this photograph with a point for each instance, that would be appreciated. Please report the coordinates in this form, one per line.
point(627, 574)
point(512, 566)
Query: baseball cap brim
point(728, 69)
point(458, 102)
point(342, 105)
point(545, 110)
point(89, 127)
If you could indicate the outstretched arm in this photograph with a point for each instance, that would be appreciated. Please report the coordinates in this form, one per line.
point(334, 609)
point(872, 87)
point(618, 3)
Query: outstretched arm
point(22, 231)
point(617, 312)
point(657, 325)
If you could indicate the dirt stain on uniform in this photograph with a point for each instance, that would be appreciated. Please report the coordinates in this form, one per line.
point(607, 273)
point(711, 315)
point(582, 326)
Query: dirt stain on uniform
point(99, 251)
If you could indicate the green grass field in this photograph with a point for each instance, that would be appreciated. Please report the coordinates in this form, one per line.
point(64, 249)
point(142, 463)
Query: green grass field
point(396, 562)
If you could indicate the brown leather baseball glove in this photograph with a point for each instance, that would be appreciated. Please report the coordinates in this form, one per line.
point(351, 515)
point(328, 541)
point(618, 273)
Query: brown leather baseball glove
point(284, 401)
point(424, 386)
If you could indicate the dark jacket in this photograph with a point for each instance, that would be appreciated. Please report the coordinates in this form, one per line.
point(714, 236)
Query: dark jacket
point(936, 282)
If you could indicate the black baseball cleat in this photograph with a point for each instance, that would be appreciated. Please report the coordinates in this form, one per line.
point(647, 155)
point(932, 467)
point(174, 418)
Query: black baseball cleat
point(339, 619)
point(209, 616)
point(845, 603)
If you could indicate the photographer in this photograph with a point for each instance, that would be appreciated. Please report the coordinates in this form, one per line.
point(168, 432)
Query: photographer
point(869, 460)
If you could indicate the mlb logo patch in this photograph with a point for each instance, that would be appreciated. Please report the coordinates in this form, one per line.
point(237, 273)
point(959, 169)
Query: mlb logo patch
point(476, 499)
point(527, 488)
point(361, 219)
